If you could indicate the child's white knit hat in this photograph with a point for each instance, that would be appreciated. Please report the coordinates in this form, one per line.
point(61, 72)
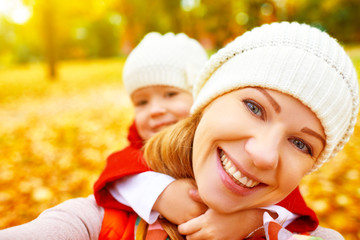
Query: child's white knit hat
point(170, 60)
point(296, 59)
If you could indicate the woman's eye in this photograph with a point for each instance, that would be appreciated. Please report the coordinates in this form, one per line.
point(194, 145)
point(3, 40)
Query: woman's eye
point(170, 94)
point(254, 108)
point(300, 144)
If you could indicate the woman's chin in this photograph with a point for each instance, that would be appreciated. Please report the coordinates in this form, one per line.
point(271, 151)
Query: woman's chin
point(225, 207)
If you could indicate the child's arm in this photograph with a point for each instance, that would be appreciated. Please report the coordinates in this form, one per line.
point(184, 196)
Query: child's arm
point(145, 194)
point(176, 204)
point(214, 225)
point(237, 225)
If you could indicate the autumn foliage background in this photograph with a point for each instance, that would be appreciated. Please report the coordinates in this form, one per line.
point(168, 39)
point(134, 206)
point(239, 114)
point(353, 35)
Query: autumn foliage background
point(63, 108)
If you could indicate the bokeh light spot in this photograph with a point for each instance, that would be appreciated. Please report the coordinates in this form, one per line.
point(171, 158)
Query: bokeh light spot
point(242, 18)
point(21, 15)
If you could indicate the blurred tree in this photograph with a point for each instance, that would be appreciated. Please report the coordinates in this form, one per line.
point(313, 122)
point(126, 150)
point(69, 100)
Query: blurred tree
point(221, 21)
point(343, 20)
point(215, 25)
point(140, 18)
point(49, 32)
point(7, 34)
point(340, 18)
point(99, 28)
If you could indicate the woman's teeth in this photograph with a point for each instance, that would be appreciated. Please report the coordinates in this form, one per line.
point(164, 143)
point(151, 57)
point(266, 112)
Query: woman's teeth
point(235, 173)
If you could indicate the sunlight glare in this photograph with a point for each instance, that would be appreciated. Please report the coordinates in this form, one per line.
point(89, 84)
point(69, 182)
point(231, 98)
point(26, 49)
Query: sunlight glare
point(15, 11)
point(4, 6)
point(188, 5)
point(20, 15)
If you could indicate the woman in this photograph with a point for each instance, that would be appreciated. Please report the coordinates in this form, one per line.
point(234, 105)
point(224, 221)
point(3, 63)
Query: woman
point(269, 108)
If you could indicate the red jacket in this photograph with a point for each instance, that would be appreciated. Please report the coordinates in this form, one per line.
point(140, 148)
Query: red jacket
point(130, 161)
point(120, 164)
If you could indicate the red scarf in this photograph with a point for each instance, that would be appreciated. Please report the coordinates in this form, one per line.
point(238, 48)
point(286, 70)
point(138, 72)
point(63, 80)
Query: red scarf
point(130, 161)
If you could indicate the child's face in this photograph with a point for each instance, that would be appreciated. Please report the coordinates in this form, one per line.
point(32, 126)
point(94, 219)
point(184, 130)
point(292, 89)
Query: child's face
point(252, 147)
point(157, 107)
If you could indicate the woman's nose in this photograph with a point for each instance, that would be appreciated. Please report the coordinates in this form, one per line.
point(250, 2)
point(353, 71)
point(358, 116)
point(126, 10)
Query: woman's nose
point(263, 151)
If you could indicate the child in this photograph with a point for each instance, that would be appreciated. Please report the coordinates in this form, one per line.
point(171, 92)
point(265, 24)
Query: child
point(120, 183)
point(158, 76)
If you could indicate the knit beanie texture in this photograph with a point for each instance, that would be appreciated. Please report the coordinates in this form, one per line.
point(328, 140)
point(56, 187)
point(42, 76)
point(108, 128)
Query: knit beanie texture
point(295, 59)
point(169, 60)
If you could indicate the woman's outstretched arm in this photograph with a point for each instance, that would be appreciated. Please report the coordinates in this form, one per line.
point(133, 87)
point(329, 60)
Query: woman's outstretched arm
point(78, 218)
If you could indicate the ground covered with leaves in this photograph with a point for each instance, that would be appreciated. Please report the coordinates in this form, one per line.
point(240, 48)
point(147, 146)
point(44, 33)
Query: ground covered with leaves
point(56, 135)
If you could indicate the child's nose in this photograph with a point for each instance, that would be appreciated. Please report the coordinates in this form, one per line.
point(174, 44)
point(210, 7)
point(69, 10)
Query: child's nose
point(263, 150)
point(157, 109)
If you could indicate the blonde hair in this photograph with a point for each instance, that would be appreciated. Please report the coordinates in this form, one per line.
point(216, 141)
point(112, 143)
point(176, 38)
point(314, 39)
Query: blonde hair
point(170, 152)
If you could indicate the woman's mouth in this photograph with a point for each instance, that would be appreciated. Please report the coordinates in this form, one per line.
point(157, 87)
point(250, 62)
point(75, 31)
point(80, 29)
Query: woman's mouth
point(234, 173)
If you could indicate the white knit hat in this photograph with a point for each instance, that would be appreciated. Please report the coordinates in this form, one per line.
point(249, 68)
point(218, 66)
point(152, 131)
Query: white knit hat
point(170, 60)
point(295, 59)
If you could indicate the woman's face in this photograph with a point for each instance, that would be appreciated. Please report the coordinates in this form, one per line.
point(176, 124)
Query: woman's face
point(252, 147)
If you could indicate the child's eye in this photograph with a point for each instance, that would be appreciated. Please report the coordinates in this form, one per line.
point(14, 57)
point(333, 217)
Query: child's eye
point(140, 103)
point(255, 108)
point(171, 94)
point(300, 144)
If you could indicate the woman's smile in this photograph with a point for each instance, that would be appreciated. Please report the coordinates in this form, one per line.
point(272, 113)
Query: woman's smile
point(233, 172)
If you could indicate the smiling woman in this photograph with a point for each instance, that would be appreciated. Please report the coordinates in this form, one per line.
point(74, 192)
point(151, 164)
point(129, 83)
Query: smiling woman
point(269, 108)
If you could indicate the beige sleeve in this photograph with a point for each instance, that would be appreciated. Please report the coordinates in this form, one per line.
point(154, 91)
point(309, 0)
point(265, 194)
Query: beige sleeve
point(327, 234)
point(78, 218)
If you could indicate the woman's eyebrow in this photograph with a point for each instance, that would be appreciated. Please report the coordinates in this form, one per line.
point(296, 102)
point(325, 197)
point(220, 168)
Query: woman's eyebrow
point(272, 101)
point(313, 133)
point(277, 109)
